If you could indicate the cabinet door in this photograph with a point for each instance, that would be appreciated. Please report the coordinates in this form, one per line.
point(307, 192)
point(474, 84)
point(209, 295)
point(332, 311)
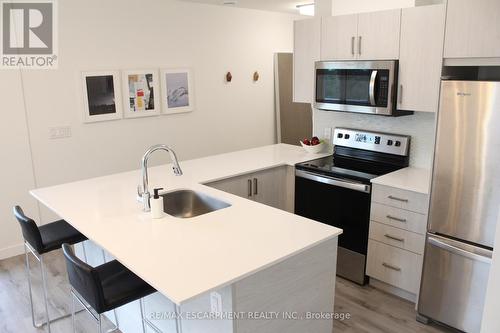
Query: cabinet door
point(421, 57)
point(269, 187)
point(472, 29)
point(240, 186)
point(338, 37)
point(306, 52)
point(378, 35)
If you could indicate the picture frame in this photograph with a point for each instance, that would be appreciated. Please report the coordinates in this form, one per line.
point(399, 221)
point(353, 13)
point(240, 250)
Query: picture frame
point(101, 96)
point(177, 95)
point(140, 91)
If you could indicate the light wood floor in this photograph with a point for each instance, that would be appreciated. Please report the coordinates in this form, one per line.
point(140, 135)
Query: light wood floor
point(371, 310)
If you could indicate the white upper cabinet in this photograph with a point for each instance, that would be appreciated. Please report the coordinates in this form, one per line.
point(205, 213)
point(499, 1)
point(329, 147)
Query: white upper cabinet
point(378, 35)
point(306, 52)
point(367, 36)
point(421, 57)
point(338, 37)
point(472, 29)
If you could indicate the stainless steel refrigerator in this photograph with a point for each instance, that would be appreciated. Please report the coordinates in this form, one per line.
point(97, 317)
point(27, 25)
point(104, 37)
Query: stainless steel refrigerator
point(465, 205)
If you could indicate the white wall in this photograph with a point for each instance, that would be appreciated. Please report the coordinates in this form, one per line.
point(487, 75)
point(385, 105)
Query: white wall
point(126, 34)
point(420, 126)
point(343, 7)
point(16, 176)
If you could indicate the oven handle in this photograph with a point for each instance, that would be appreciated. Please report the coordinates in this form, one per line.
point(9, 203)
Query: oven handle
point(373, 80)
point(334, 181)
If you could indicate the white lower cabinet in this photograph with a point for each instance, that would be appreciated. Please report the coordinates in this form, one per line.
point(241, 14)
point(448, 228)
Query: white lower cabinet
point(394, 266)
point(397, 239)
point(269, 187)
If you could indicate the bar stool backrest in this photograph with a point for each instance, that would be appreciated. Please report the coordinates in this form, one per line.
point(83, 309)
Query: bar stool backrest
point(30, 230)
point(84, 279)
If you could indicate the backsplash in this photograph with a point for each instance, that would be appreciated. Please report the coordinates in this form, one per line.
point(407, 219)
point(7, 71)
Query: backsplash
point(419, 126)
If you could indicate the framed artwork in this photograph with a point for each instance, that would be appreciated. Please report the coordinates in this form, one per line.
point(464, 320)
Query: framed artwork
point(101, 92)
point(139, 91)
point(177, 90)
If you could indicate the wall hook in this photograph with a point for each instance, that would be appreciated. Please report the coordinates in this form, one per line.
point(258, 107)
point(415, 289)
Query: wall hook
point(229, 77)
point(256, 76)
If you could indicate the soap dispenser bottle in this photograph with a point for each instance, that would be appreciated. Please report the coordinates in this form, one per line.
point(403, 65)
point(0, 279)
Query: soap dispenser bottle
point(157, 205)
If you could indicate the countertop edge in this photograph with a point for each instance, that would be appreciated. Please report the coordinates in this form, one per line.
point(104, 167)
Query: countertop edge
point(391, 180)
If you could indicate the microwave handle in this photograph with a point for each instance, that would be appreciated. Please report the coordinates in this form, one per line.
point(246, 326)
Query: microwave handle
point(373, 80)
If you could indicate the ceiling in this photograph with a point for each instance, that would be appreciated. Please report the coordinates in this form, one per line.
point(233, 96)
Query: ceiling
point(286, 6)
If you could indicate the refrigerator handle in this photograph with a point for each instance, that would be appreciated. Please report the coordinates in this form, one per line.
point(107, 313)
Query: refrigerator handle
point(441, 243)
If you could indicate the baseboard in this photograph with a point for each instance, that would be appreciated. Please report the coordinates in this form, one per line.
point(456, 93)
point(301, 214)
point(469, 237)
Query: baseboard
point(393, 290)
point(11, 251)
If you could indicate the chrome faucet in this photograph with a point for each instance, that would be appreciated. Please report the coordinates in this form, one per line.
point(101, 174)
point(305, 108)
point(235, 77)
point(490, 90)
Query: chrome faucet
point(143, 194)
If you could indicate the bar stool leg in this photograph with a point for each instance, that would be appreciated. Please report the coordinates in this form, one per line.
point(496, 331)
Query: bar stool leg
point(73, 308)
point(114, 311)
point(29, 285)
point(45, 293)
point(178, 323)
point(141, 302)
point(99, 323)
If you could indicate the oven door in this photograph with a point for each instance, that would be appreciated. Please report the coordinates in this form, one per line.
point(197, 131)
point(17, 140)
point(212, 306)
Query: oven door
point(341, 203)
point(355, 86)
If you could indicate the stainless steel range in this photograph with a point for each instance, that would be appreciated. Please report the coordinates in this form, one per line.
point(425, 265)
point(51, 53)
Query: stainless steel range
point(336, 190)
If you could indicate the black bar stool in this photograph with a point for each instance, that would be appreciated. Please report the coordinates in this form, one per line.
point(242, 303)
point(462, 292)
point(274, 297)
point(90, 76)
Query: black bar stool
point(103, 288)
point(39, 241)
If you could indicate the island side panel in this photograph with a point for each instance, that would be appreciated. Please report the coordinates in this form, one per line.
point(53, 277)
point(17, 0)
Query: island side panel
point(159, 310)
point(303, 283)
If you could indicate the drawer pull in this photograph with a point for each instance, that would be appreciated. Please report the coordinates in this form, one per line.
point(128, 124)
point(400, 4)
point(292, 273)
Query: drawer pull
point(396, 219)
point(397, 199)
point(394, 238)
point(249, 188)
point(394, 268)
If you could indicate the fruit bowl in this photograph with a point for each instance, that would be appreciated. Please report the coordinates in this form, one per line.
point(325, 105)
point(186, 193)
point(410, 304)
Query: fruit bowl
point(313, 149)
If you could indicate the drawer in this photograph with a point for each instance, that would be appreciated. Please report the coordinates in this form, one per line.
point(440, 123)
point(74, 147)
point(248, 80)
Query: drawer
point(403, 239)
point(399, 218)
point(394, 266)
point(395, 197)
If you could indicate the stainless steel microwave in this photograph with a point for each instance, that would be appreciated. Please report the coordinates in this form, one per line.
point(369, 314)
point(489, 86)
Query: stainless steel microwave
point(357, 86)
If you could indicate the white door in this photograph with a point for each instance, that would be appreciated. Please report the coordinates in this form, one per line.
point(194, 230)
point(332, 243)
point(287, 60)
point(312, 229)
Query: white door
point(338, 37)
point(421, 57)
point(17, 176)
point(240, 186)
point(269, 187)
point(472, 29)
point(306, 51)
point(378, 35)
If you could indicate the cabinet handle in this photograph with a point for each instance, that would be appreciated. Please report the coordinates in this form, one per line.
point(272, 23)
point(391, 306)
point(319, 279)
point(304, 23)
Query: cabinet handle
point(352, 45)
point(249, 188)
point(255, 191)
point(400, 94)
point(359, 45)
point(394, 268)
point(396, 219)
point(397, 199)
point(394, 238)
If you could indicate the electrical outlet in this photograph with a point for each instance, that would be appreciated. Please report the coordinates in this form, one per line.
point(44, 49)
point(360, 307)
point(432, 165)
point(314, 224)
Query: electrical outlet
point(327, 134)
point(215, 302)
point(59, 132)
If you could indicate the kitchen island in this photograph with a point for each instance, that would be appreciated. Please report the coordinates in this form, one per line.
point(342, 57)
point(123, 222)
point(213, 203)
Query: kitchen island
point(245, 268)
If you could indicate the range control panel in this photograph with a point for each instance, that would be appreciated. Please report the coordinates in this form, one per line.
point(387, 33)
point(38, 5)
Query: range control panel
point(380, 142)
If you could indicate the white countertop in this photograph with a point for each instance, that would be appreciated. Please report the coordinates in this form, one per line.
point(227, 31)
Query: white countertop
point(410, 179)
point(184, 258)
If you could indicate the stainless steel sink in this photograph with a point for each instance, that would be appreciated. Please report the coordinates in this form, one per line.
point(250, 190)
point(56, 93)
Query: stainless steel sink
point(187, 204)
